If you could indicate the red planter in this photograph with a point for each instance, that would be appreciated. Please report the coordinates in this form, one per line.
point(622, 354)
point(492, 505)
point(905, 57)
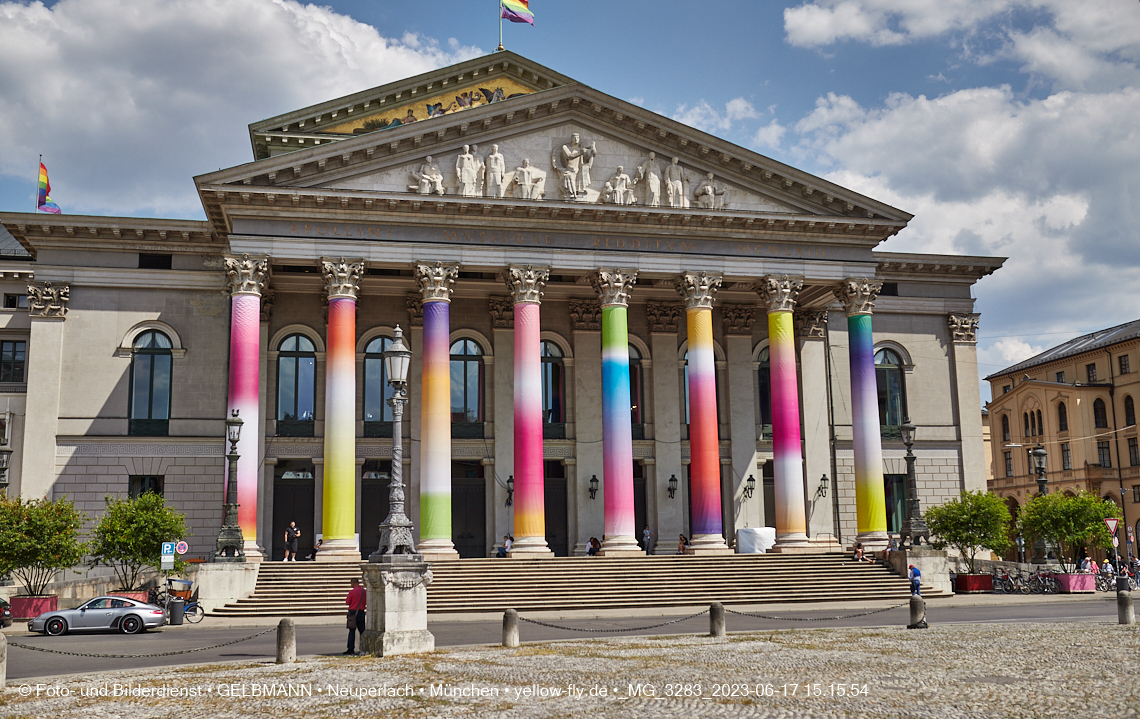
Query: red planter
point(1077, 583)
point(973, 583)
point(32, 607)
point(139, 596)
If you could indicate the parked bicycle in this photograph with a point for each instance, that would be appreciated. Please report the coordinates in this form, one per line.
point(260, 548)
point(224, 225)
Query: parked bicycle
point(192, 612)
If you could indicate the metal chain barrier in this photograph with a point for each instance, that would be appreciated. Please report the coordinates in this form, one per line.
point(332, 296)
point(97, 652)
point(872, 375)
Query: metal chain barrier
point(613, 631)
point(818, 619)
point(140, 656)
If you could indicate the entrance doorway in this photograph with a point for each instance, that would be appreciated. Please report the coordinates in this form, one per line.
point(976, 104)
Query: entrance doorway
point(895, 489)
point(293, 501)
point(769, 472)
point(557, 522)
point(469, 509)
point(640, 501)
point(376, 476)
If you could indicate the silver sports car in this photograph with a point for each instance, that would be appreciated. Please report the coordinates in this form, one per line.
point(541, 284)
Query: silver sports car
point(115, 613)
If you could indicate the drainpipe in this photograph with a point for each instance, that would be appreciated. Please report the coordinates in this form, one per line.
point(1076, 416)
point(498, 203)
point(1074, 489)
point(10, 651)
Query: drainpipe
point(1116, 444)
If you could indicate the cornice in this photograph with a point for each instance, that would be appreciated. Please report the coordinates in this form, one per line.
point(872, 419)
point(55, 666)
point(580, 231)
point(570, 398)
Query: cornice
point(895, 266)
point(139, 234)
point(158, 280)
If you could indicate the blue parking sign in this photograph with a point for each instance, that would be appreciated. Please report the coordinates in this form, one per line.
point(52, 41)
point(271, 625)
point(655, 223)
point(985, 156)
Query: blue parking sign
point(168, 549)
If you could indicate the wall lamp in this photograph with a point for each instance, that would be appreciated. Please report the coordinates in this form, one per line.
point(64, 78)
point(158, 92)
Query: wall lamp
point(749, 486)
point(510, 490)
point(821, 491)
point(593, 486)
point(672, 486)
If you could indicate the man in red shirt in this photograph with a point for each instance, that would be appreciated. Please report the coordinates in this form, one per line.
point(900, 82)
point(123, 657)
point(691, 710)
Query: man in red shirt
point(356, 600)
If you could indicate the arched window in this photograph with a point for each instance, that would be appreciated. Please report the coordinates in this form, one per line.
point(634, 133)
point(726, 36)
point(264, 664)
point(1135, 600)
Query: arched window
point(1129, 412)
point(377, 391)
point(892, 392)
point(1005, 427)
point(553, 391)
point(1062, 418)
point(296, 386)
point(764, 383)
point(636, 393)
point(150, 385)
point(1100, 416)
point(1025, 416)
point(1032, 424)
point(466, 389)
point(1040, 423)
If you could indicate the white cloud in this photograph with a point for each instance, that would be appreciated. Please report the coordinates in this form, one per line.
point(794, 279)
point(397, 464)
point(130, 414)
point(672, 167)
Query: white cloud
point(704, 116)
point(884, 22)
point(128, 99)
point(769, 136)
point(740, 109)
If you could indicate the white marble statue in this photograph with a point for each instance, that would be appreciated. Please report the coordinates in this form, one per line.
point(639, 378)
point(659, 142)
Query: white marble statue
point(675, 184)
point(621, 188)
point(649, 178)
point(573, 162)
point(480, 170)
point(527, 180)
point(465, 171)
point(495, 173)
point(710, 195)
point(429, 178)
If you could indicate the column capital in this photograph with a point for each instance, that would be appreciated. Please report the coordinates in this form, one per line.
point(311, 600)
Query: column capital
point(810, 324)
point(858, 294)
point(415, 310)
point(738, 319)
point(342, 278)
point(435, 280)
point(502, 313)
point(779, 292)
point(585, 315)
point(662, 317)
point(613, 286)
point(963, 327)
point(697, 289)
point(247, 276)
point(47, 300)
point(526, 283)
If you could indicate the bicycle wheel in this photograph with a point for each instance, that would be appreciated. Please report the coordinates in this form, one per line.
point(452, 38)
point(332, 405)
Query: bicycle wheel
point(1036, 585)
point(194, 613)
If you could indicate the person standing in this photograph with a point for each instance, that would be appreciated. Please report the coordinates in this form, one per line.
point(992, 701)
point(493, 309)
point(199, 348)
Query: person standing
point(915, 581)
point(356, 600)
point(647, 540)
point(292, 534)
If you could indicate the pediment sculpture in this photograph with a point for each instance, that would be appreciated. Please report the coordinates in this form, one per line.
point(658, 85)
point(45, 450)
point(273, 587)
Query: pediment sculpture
point(429, 180)
point(574, 162)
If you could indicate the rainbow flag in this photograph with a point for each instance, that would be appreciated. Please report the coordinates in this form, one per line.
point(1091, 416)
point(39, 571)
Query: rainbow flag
point(516, 11)
point(44, 203)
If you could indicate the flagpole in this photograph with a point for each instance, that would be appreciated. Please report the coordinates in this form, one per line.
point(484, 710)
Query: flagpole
point(500, 25)
point(36, 194)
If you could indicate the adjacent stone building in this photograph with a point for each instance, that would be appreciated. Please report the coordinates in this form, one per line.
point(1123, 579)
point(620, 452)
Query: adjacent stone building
point(617, 321)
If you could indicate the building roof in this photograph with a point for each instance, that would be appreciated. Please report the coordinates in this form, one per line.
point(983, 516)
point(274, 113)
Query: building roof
point(1078, 345)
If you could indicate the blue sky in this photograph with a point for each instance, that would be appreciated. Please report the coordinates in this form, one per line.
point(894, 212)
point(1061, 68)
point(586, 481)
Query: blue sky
point(1008, 127)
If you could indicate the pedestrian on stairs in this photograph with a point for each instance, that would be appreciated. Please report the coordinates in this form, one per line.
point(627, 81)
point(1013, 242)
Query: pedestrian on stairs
point(356, 600)
point(647, 539)
point(915, 581)
point(292, 534)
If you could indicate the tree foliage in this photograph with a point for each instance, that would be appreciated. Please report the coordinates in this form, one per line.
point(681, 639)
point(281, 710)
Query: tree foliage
point(1066, 523)
point(971, 523)
point(129, 536)
point(38, 538)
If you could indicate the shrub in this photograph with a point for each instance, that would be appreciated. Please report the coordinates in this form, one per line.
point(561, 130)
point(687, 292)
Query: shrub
point(39, 538)
point(1067, 523)
point(971, 523)
point(129, 537)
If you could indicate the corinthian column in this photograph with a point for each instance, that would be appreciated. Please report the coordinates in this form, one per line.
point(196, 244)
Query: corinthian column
point(526, 285)
point(435, 283)
point(698, 291)
point(780, 294)
point(247, 280)
point(342, 282)
point(858, 297)
point(613, 288)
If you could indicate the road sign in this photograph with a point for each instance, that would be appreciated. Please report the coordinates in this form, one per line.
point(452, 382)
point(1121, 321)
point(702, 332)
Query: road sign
point(1111, 524)
point(168, 549)
point(167, 562)
point(1129, 528)
point(1115, 542)
point(182, 547)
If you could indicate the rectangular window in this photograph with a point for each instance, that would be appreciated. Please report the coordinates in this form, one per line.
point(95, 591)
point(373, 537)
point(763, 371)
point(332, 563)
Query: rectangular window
point(1136, 494)
point(1006, 388)
point(1066, 457)
point(154, 262)
point(1102, 453)
point(1009, 464)
point(1091, 369)
point(141, 484)
point(1133, 452)
point(894, 486)
point(1124, 369)
point(890, 289)
point(12, 360)
point(1061, 377)
point(15, 302)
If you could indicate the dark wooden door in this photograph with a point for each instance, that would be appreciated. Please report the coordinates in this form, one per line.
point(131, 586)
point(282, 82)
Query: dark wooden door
point(640, 508)
point(557, 524)
point(293, 501)
point(469, 516)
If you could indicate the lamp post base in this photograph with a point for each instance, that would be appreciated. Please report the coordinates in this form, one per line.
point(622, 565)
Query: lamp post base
point(396, 618)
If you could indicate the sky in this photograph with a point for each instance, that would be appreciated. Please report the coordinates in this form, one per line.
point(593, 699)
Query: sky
point(1007, 127)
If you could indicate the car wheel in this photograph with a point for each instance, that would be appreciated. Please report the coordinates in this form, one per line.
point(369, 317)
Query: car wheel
point(56, 627)
point(130, 624)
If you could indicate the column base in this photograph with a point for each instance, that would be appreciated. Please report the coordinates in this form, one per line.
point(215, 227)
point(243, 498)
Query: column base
point(873, 541)
point(339, 550)
point(530, 548)
point(437, 550)
point(253, 552)
point(707, 544)
point(622, 545)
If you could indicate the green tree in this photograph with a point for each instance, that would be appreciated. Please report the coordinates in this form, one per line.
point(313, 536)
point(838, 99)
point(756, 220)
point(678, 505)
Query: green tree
point(971, 523)
point(129, 536)
point(1066, 523)
point(39, 538)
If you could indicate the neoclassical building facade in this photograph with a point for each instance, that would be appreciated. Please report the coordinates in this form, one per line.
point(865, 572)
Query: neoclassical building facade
point(603, 339)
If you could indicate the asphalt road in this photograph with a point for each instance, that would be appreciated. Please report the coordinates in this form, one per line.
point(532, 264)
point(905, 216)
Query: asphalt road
point(331, 639)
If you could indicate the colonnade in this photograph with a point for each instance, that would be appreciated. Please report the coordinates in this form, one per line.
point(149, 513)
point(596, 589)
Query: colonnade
point(526, 285)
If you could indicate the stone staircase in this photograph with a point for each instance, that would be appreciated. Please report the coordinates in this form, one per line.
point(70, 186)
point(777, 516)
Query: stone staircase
point(492, 585)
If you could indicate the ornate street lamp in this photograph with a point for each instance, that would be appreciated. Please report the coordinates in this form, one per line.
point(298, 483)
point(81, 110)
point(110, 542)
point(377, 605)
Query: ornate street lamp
point(821, 490)
point(749, 486)
point(510, 490)
point(672, 486)
point(594, 486)
point(231, 543)
point(1039, 456)
point(396, 529)
point(914, 528)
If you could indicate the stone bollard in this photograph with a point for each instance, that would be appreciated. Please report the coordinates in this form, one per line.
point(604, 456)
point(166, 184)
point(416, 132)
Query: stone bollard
point(286, 642)
point(3, 660)
point(1124, 609)
point(917, 613)
point(510, 629)
point(716, 620)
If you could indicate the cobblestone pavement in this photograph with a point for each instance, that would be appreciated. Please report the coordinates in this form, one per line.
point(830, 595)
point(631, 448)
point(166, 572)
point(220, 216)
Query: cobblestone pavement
point(991, 670)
